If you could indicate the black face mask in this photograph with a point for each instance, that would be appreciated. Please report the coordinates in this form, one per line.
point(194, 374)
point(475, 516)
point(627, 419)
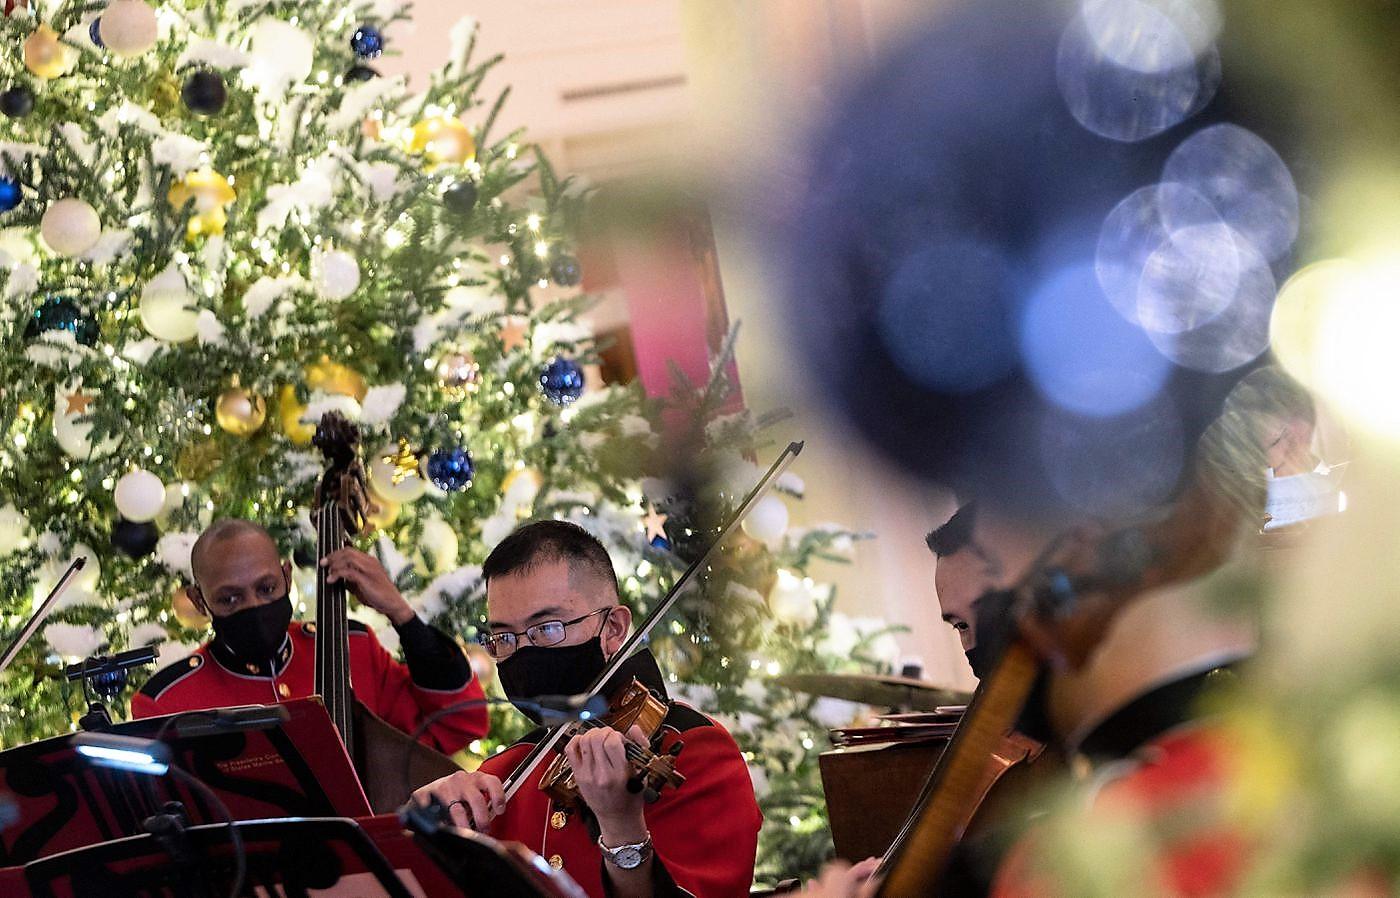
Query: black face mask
point(558, 670)
point(992, 621)
point(255, 634)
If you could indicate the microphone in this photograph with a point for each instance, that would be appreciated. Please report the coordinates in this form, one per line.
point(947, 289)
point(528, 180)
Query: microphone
point(554, 709)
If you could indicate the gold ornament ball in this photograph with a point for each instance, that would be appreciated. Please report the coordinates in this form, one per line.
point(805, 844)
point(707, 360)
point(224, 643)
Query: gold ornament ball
point(197, 460)
point(383, 512)
point(336, 379)
point(459, 372)
point(212, 194)
point(165, 94)
point(240, 412)
point(289, 412)
point(444, 139)
point(46, 56)
point(186, 611)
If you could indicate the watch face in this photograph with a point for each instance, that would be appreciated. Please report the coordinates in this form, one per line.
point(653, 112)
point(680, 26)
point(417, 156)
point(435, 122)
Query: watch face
point(627, 858)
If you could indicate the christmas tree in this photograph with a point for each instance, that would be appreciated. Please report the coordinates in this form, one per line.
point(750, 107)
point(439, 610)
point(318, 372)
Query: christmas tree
point(219, 222)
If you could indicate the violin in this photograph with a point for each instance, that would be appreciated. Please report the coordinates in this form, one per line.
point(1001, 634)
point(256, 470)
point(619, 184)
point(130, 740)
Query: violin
point(651, 770)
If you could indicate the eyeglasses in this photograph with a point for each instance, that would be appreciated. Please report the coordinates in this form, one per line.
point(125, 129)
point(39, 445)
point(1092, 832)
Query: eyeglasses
point(541, 635)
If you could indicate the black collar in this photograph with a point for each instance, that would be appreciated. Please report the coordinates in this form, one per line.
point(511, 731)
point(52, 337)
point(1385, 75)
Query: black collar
point(237, 664)
point(1152, 714)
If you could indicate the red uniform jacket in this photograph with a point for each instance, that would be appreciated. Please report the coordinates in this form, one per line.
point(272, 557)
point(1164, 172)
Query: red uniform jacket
point(704, 834)
point(437, 675)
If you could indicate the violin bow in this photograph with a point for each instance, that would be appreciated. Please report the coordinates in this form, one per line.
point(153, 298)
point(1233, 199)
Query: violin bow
point(542, 749)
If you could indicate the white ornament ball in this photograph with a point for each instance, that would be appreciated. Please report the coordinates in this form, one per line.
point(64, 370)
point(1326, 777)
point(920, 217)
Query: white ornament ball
point(282, 54)
point(70, 227)
point(768, 520)
point(336, 274)
point(128, 27)
point(74, 436)
point(82, 590)
point(793, 599)
point(139, 496)
point(14, 527)
point(410, 487)
point(167, 308)
point(437, 548)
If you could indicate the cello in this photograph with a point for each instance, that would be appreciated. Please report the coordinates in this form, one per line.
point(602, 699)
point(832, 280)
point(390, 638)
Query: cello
point(390, 763)
point(1061, 609)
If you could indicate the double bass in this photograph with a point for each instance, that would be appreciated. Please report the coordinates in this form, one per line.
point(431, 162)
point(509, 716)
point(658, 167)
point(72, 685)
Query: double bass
point(390, 763)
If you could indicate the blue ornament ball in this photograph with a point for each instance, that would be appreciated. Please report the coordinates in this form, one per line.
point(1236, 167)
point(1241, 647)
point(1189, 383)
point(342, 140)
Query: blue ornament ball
point(565, 270)
point(95, 33)
point(9, 194)
point(367, 42)
point(61, 313)
point(562, 381)
point(451, 469)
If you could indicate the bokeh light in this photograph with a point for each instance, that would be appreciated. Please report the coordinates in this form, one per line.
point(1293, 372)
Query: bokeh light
point(1246, 181)
point(1081, 354)
point(1356, 365)
point(1129, 70)
point(1300, 309)
point(942, 316)
point(1190, 279)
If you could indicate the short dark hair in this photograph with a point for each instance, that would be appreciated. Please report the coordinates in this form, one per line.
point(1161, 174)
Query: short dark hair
point(543, 541)
point(955, 534)
point(218, 532)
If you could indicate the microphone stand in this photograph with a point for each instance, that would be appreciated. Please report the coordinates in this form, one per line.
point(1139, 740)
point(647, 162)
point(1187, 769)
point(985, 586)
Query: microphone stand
point(38, 617)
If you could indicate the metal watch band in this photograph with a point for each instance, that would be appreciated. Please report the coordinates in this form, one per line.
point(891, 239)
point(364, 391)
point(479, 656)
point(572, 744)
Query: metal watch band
point(611, 852)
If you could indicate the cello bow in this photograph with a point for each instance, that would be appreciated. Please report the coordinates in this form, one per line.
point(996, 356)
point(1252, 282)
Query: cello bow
point(541, 752)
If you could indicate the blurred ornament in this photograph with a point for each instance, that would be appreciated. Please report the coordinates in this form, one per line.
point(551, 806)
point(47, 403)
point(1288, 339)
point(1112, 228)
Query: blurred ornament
point(139, 496)
point(483, 665)
point(282, 53)
point(451, 469)
point(95, 33)
point(289, 412)
point(74, 436)
point(768, 520)
point(212, 194)
point(46, 56)
point(437, 548)
point(360, 73)
point(12, 5)
point(165, 93)
point(10, 195)
point(513, 330)
point(167, 307)
point(14, 529)
point(204, 93)
point(564, 270)
point(444, 139)
point(562, 381)
point(383, 512)
point(128, 27)
point(793, 599)
point(367, 42)
point(198, 460)
point(60, 313)
point(654, 523)
point(336, 379)
point(135, 539)
point(335, 274)
point(70, 227)
point(240, 412)
point(395, 472)
point(459, 373)
point(460, 198)
point(17, 102)
point(186, 611)
point(82, 589)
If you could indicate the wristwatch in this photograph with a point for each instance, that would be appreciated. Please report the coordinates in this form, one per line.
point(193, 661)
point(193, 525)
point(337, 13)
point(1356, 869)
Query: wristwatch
point(627, 857)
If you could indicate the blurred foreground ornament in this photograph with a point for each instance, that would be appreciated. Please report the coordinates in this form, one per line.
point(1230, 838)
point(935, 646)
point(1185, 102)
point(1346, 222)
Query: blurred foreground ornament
point(395, 472)
point(212, 194)
point(61, 313)
point(70, 227)
point(437, 548)
point(186, 611)
point(204, 93)
point(128, 27)
point(135, 540)
point(46, 56)
point(451, 469)
point(335, 274)
point(95, 33)
point(459, 373)
point(239, 411)
point(336, 379)
point(139, 496)
point(562, 381)
point(17, 102)
point(564, 270)
point(768, 520)
point(444, 139)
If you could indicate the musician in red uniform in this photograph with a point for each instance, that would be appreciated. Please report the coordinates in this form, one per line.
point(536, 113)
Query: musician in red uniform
point(555, 620)
point(260, 656)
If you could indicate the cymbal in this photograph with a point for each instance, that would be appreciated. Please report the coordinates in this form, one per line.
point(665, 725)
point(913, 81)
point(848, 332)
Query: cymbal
point(875, 689)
